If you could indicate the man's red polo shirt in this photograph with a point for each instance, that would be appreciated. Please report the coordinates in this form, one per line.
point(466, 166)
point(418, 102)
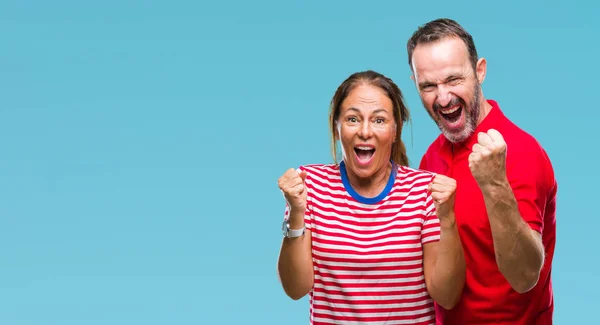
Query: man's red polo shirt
point(487, 297)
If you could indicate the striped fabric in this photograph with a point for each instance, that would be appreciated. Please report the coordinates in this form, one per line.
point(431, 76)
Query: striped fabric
point(368, 252)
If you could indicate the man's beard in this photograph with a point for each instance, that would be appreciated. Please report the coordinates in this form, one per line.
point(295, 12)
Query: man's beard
point(471, 117)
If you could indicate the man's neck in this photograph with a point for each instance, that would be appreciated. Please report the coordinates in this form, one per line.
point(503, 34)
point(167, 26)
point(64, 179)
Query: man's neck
point(485, 110)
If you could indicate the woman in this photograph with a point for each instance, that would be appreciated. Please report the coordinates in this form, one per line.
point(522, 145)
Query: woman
point(370, 239)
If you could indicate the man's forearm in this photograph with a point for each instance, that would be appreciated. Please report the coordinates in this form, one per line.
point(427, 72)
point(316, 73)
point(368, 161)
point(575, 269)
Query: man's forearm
point(519, 254)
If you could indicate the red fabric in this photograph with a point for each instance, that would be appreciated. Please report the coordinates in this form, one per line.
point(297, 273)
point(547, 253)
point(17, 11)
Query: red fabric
point(487, 297)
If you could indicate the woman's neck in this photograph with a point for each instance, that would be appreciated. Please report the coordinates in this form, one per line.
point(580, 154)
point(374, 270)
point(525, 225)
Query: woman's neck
point(370, 186)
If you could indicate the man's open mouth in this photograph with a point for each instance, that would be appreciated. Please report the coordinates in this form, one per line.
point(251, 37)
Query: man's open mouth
point(451, 114)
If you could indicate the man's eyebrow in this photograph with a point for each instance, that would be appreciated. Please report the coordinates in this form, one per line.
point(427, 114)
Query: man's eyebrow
point(447, 79)
point(426, 84)
point(453, 76)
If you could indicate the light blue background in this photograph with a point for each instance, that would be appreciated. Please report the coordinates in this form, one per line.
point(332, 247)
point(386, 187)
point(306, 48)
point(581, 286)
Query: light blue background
point(141, 142)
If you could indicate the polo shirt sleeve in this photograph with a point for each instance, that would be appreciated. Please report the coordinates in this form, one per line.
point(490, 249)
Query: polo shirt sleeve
point(430, 231)
point(307, 213)
point(527, 178)
point(423, 164)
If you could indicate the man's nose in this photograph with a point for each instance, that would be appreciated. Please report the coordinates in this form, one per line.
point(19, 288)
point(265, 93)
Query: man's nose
point(443, 96)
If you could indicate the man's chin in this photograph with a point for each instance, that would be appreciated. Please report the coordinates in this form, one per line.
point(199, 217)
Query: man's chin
point(456, 136)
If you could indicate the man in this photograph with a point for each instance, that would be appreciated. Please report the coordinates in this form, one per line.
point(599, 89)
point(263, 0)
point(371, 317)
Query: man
point(506, 191)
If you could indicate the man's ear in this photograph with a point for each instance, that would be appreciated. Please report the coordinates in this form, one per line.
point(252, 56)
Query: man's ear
point(481, 69)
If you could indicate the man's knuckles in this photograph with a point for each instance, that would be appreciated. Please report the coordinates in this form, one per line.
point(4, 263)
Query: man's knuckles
point(494, 134)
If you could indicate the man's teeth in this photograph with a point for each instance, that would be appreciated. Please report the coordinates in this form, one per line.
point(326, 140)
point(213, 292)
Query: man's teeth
point(450, 111)
point(365, 148)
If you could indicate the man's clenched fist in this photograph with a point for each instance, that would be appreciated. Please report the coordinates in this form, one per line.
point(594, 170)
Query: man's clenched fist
point(487, 161)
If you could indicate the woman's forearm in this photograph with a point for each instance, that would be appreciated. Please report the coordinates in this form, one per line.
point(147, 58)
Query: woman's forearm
point(295, 264)
point(448, 276)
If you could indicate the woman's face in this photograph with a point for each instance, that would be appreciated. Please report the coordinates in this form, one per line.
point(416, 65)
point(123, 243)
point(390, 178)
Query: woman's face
point(366, 129)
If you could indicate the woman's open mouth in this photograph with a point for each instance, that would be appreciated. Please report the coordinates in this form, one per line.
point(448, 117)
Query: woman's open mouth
point(364, 154)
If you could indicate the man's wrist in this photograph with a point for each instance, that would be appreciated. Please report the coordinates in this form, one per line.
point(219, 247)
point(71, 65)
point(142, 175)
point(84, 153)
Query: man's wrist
point(494, 188)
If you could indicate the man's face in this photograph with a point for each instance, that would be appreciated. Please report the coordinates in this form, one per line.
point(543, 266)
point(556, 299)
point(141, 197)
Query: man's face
point(448, 86)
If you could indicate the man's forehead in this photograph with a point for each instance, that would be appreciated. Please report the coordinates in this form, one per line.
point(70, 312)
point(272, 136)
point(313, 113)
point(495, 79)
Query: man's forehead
point(437, 60)
point(436, 75)
point(442, 52)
